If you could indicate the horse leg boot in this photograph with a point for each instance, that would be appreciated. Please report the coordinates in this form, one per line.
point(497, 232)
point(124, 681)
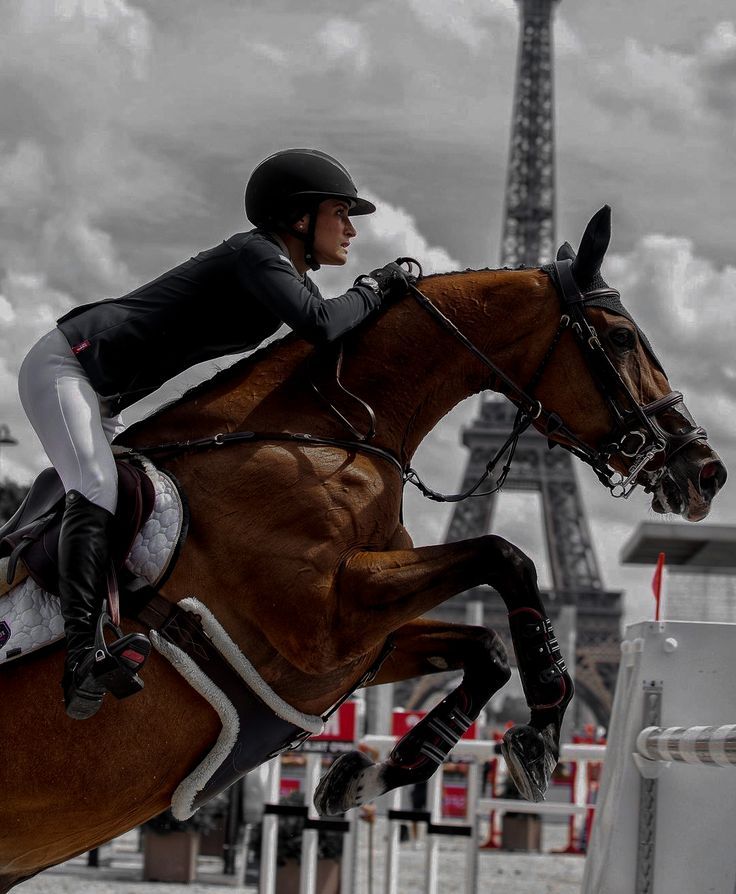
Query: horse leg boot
point(532, 751)
point(355, 779)
point(92, 668)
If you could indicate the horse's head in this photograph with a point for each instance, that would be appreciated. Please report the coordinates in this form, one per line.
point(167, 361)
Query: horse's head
point(638, 426)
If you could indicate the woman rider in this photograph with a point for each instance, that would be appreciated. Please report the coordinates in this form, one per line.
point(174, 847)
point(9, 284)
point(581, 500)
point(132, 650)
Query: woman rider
point(104, 356)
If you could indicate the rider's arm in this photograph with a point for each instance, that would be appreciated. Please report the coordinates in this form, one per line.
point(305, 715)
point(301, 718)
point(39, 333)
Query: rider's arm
point(271, 278)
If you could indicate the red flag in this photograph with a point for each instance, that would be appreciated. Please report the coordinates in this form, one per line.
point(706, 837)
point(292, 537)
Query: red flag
point(657, 583)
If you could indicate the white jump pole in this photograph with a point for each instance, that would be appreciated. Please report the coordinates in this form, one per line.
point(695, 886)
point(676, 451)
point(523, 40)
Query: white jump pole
point(270, 830)
point(710, 745)
point(432, 852)
point(310, 837)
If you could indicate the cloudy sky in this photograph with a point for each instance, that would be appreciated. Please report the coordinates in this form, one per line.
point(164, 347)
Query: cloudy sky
point(130, 126)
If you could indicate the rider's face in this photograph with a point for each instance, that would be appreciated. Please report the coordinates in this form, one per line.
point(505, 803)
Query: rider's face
point(333, 233)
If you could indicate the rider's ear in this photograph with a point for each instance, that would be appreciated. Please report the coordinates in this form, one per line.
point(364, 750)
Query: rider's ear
point(593, 247)
point(566, 252)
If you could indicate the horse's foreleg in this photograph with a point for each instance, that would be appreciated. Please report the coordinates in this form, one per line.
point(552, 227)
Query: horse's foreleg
point(391, 585)
point(531, 751)
point(422, 647)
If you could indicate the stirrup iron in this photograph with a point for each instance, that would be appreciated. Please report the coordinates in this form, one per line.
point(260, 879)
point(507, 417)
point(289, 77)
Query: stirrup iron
point(116, 665)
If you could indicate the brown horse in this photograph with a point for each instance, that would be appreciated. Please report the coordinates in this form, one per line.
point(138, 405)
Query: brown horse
point(300, 553)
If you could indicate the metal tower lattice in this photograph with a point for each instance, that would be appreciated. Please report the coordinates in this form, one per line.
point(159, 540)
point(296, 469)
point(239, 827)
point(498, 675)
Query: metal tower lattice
point(529, 218)
point(528, 239)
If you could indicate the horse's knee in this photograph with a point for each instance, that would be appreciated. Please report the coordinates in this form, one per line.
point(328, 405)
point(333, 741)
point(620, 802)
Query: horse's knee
point(490, 657)
point(509, 564)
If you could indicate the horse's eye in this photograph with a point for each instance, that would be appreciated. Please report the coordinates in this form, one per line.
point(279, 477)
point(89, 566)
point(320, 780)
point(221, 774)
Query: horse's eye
point(622, 338)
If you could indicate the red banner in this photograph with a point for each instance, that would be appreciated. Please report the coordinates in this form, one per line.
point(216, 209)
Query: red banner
point(342, 726)
point(657, 585)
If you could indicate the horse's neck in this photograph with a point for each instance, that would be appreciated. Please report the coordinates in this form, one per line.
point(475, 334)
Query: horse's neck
point(414, 371)
point(403, 364)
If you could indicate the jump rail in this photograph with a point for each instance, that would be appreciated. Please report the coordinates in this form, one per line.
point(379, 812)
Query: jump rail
point(709, 745)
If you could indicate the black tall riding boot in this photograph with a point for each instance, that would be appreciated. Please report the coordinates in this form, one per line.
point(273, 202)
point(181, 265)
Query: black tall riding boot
point(92, 668)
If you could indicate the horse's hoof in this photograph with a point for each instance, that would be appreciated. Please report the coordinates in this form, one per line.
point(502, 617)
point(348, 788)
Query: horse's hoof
point(530, 759)
point(350, 782)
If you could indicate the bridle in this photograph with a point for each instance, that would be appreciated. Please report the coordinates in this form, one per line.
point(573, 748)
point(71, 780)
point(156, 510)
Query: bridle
point(637, 437)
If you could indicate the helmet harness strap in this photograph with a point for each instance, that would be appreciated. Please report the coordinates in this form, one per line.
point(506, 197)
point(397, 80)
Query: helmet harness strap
point(309, 238)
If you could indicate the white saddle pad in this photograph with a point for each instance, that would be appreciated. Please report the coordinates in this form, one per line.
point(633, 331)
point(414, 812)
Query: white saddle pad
point(31, 618)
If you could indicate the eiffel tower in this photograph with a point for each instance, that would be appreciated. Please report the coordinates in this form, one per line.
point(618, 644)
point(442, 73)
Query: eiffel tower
point(578, 601)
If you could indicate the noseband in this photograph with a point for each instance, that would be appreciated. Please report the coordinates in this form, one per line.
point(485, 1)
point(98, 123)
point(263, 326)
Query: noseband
point(637, 437)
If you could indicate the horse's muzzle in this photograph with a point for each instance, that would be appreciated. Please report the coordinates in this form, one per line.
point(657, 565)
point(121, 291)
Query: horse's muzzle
point(713, 476)
point(689, 483)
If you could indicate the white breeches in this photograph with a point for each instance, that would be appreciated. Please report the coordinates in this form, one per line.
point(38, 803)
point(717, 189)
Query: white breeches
point(67, 415)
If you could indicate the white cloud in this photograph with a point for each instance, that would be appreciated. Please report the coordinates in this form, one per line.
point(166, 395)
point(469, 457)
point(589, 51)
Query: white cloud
point(110, 26)
point(566, 40)
point(24, 177)
point(660, 81)
point(7, 314)
point(343, 41)
point(468, 21)
point(388, 234)
point(397, 229)
point(721, 42)
point(675, 89)
point(718, 74)
point(81, 256)
point(270, 52)
point(680, 297)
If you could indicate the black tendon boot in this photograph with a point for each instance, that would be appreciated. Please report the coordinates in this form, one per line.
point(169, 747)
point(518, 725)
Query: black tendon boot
point(532, 751)
point(92, 668)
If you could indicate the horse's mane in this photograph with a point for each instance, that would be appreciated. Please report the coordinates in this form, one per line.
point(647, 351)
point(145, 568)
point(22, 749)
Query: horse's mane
point(237, 368)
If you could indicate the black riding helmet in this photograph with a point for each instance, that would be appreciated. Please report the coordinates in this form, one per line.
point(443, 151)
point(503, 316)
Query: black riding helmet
point(291, 183)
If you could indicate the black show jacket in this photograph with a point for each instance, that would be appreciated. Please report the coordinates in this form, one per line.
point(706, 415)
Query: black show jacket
point(225, 300)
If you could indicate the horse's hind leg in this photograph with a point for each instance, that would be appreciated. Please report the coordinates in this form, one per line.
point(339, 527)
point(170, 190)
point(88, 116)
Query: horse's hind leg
point(422, 647)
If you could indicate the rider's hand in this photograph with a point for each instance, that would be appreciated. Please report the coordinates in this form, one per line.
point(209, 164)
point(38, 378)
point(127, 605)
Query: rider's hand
point(390, 281)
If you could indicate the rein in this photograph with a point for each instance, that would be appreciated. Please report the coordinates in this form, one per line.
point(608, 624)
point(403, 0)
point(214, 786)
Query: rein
point(224, 439)
point(636, 435)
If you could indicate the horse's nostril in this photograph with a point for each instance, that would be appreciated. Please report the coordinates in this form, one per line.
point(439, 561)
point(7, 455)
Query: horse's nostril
point(712, 478)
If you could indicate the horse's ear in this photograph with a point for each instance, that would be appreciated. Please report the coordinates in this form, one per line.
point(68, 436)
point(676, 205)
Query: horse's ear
point(593, 247)
point(566, 252)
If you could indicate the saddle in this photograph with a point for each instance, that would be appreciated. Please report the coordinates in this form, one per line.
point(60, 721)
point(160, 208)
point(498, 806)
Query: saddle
point(31, 536)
